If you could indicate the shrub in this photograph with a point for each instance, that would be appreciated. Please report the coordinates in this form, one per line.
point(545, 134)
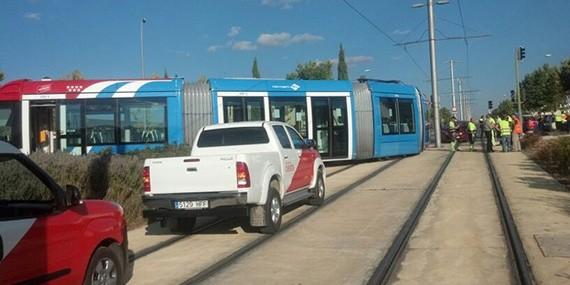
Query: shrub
point(554, 155)
point(530, 140)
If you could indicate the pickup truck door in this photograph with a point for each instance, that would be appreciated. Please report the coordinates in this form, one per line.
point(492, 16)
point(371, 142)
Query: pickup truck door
point(289, 159)
point(306, 157)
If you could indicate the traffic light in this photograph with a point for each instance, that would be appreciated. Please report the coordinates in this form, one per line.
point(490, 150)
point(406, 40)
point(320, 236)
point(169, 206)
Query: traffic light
point(513, 99)
point(522, 53)
point(490, 104)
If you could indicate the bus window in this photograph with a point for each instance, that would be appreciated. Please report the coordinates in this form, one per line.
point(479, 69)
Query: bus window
point(291, 110)
point(100, 122)
point(389, 117)
point(142, 120)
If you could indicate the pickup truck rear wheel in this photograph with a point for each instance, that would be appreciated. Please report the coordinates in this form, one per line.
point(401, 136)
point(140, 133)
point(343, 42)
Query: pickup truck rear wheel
point(181, 225)
point(273, 209)
point(319, 191)
point(105, 267)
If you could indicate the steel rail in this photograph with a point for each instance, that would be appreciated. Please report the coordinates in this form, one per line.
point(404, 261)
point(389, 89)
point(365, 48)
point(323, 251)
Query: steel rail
point(228, 260)
point(522, 269)
point(392, 257)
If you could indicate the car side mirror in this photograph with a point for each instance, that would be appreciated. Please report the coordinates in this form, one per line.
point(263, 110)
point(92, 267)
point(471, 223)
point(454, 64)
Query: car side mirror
point(309, 143)
point(72, 195)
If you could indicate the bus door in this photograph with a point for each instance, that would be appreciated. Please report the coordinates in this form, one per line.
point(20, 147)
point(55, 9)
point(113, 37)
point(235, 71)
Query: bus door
point(71, 128)
point(42, 126)
point(330, 126)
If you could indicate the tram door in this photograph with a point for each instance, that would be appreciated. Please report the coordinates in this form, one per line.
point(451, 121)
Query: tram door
point(330, 126)
point(71, 130)
point(42, 127)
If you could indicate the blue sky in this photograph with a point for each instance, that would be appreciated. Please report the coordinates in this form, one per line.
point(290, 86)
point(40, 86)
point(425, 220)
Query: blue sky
point(218, 38)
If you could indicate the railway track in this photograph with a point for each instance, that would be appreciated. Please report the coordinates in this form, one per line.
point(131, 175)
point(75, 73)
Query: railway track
point(163, 244)
point(233, 257)
point(520, 266)
point(391, 259)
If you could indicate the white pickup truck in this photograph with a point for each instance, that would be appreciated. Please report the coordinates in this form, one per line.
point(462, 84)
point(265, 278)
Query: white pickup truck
point(238, 169)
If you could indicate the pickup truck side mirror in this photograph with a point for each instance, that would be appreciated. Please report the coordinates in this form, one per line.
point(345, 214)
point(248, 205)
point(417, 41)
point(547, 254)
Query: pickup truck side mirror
point(72, 195)
point(309, 143)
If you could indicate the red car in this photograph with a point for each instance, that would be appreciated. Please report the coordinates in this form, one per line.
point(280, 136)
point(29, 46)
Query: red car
point(49, 235)
point(462, 135)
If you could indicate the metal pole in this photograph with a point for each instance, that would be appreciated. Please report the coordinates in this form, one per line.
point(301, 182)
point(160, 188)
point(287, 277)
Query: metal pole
point(453, 104)
point(433, 74)
point(143, 20)
point(517, 85)
point(461, 101)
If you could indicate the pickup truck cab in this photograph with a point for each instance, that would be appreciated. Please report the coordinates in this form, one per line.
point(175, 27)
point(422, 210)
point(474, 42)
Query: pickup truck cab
point(237, 169)
point(49, 235)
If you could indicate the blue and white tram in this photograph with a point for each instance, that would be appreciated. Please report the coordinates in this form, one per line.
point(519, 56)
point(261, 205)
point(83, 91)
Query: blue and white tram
point(360, 120)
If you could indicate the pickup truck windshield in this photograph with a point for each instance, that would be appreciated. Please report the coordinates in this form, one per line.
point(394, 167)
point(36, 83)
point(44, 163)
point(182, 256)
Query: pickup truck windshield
point(233, 136)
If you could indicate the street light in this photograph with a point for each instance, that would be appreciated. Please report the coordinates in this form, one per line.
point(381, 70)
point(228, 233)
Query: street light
point(431, 26)
point(143, 20)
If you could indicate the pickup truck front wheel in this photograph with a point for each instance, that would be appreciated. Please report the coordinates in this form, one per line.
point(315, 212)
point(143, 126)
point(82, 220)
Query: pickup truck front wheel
point(319, 191)
point(181, 225)
point(273, 209)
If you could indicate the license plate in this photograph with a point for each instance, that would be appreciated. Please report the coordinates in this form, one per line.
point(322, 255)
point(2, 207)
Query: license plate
point(191, 205)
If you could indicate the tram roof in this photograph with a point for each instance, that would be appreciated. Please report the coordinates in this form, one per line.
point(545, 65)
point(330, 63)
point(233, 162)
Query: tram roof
point(390, 86)
point(276, 85)
point(74, 89)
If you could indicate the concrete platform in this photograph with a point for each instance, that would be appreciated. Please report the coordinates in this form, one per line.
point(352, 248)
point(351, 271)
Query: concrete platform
point(541, 208)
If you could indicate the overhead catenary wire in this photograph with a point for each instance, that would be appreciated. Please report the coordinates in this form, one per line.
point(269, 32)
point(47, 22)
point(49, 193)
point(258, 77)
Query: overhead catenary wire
point(385, 35)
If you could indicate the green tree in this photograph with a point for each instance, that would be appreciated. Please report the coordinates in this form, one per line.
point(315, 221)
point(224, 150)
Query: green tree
point(565, 75)
point(444, 115)
point(342, 68)
point(312, 70)
point(74, 75)
point(543, 89)
point(505, 108)
point(255, 69)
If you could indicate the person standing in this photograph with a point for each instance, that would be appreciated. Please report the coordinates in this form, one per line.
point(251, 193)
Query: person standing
point(453, 128)
point(488, 129)
point(517, 131)
point(472, 132)
point(505, 131)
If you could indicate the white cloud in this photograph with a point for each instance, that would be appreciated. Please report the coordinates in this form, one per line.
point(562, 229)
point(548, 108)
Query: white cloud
point(283, 4)
point(32, 16)
point(234, 31)
point(244, 45)
point(284, 39)
point(401, 32)
point(214, 48)
point(355, 60)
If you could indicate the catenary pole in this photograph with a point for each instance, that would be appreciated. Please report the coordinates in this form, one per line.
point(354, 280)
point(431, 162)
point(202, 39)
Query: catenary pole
point(143, 20)
point(433, 73)
point(453, 103)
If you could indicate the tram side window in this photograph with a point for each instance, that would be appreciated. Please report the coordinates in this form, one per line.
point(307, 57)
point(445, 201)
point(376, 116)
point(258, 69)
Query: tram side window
point(238, 109)
point(389, 117)
point(406, 116)
point(143, 120)
point(100, 122)
point(10, 123)
point(291, 110)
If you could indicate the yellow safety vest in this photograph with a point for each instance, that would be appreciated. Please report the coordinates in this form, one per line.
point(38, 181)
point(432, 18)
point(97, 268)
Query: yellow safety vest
point(471, 127)
point(558, 118)
point(505, 128)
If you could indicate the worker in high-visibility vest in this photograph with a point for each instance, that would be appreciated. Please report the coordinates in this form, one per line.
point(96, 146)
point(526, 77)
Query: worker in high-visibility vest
point(558, 120)
point(505, 131)
point(472, 131)
point(517, 131)
point(453, 129)
point(488, 128)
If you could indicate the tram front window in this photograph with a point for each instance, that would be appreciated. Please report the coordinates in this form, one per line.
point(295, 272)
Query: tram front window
point(291, 110)
point(10, 123)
